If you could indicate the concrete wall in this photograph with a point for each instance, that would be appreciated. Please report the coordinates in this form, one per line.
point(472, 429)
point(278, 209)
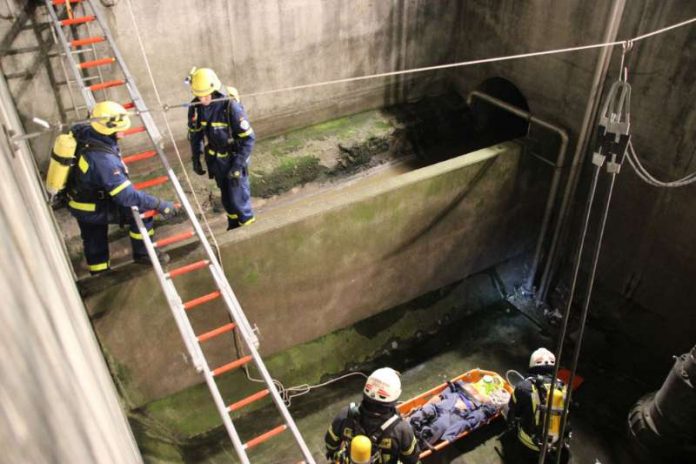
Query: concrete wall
point(649, 250)
point(326, 264)
point(57, 399)
point(266, 45)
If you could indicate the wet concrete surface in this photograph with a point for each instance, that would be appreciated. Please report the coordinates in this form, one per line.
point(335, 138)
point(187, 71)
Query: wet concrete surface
point(498, 338)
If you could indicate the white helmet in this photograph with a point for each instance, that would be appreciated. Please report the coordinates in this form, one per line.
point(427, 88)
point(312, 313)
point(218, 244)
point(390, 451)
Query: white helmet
point(383, 385)
point(542, 357)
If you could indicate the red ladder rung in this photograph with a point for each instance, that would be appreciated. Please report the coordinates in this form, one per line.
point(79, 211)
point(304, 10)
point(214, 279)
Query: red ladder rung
point(74, 21)
point(188, 268)
point(63, 2)
point(204, 337)
point(249, 399)
point(151, 182)
point(233, 365)
point(129, 105)
point(261, 438)
point(95, 63)
point(201, 299)
point(134, 130)
point(148, 214)
point(174, 238)
point(139, 156)
point(86, 41)
point(152, 213)
point(106, 85)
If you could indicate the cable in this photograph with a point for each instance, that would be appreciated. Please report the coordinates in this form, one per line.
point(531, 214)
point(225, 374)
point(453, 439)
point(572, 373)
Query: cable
point(171, 136)
point(648, 178)
point(627, 43)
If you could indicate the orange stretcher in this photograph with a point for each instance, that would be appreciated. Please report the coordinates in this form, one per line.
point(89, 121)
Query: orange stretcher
point(478, 388)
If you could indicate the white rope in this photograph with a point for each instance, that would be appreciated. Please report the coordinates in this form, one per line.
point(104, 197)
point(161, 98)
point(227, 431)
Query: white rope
point(287, 394)
point(625, 43)
point(648, 178)
point(171, 136)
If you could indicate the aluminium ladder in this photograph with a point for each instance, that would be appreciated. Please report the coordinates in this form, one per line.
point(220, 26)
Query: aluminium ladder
point(66, 16)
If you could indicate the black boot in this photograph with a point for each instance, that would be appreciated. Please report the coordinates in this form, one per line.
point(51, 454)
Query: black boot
point(162, 257)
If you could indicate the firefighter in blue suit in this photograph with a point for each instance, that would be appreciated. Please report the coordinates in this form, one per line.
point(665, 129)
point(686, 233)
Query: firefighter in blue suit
point(220, 131)
point(100, 192)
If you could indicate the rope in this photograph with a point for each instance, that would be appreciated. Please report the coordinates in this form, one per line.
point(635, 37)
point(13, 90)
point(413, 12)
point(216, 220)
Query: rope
point(628, 43)
point(648, 178)
point(171, 136)
point(287, 394)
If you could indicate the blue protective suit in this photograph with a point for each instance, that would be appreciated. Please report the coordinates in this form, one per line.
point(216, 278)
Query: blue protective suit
point(221, 133)
point(455, 413)
point(100, 193)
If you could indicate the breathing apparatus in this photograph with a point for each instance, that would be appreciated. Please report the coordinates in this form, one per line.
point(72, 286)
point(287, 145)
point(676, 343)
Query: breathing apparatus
point(62, 159)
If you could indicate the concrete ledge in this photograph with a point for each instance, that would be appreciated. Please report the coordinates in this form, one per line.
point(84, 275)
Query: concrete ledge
point(331, 261)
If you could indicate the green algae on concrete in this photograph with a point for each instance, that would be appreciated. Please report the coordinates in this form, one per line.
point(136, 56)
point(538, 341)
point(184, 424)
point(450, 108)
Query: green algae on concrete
point(291, 172)
point(191, 413)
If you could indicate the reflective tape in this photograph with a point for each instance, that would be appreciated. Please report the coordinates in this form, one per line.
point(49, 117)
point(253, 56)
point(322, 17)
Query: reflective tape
point(83, 165)
point(89, 207)
point(99, 267)
point(218, 154)
point(138, 236)
point(118, 189)
point(246, 133)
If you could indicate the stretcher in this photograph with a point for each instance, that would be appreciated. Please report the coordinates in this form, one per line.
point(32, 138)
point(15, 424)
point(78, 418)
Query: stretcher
point(485, 386)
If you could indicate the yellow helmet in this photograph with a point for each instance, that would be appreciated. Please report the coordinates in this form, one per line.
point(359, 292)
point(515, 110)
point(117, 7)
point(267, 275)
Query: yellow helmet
point(109, 117)
point(360, 450)
point(204, 81)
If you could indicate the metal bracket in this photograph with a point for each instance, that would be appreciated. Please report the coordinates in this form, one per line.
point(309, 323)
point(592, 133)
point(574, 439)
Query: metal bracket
point(598, 159)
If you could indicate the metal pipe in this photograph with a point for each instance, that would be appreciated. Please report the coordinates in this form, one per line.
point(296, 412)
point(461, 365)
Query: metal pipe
point(583, 139)
point(558, 166)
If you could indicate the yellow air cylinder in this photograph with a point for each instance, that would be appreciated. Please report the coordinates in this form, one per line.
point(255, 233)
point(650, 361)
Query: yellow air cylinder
point(62, 158)
point(360, 450)
point(556, 412)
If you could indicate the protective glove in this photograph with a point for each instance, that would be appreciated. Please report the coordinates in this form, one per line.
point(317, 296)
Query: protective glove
point(238, 168)
point(167, 210)
point(197, 167)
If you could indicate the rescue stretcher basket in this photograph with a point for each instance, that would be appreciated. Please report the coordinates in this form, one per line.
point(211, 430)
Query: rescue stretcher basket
point(473, 377)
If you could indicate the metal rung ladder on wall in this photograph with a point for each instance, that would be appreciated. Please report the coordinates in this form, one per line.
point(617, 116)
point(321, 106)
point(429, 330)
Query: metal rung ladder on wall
point(67, 16)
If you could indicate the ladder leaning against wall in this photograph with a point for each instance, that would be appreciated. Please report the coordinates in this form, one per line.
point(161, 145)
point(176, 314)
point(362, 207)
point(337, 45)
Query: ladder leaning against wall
point(81, 31)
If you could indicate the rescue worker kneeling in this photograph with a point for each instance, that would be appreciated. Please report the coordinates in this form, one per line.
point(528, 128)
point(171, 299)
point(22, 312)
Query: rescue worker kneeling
point(100, 192)
point(391, 438)
point(526, 413)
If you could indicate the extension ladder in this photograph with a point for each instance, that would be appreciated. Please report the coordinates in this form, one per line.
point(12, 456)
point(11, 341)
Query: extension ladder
point(66, 17)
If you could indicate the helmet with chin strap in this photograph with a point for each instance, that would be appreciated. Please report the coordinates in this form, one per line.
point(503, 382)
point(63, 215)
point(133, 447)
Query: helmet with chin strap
point(542, 357)
point(383, 385)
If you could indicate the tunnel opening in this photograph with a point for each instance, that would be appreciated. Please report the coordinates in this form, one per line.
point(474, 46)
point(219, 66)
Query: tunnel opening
point(444, 126)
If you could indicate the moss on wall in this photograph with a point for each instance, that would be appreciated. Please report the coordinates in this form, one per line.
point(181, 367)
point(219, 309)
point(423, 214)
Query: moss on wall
point(188, 420)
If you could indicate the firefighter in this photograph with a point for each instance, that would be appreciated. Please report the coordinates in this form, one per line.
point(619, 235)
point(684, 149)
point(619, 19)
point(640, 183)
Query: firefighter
point(99, 191)
point(391, 437)
point(220, 131)
point(526, 414)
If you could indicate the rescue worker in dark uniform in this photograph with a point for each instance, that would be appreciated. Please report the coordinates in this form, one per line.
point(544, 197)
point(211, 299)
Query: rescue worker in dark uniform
point(392, 438)
point(99, 191)
point(525, 414)
point(220, 131)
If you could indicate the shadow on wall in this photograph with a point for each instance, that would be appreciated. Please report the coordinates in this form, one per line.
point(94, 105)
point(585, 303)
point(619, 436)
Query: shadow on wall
point(443, 127)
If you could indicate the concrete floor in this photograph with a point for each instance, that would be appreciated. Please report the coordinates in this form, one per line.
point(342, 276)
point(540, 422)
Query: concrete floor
point(498, 338)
